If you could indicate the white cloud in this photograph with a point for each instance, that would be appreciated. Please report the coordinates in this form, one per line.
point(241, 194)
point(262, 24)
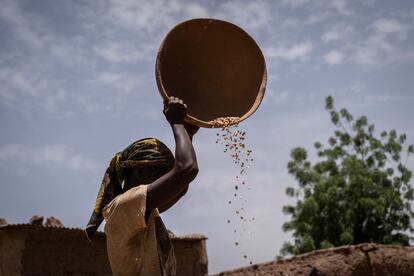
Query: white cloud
point(299, 51)
point(32, 78)
point(25, 89)
point(366, 56)
point(252, 15)
point(28, 85)
point(383, 44)
point(387, 26)
point(108, 78)
point(295, 3)
point(137, 14)
point(338, 32)
point(311, 19)
point(195, 10)
point(352, 92)
point(278, 97)
point(122, 83)
point(386, 98)
point(341, 6)
point(148, 16)
point(314, 6)
point(27, 28)
point(358, 94)
point(53, 101)
point(121, 52)
point(49, 156)
point(333, 57)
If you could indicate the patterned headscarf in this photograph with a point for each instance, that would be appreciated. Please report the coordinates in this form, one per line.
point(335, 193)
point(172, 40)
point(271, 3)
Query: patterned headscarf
point(144, 152)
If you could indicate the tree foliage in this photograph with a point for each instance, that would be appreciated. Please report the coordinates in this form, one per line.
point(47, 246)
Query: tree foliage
point(358, 191)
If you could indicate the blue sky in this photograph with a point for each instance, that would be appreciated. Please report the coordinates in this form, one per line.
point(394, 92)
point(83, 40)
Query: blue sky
point(77, 85)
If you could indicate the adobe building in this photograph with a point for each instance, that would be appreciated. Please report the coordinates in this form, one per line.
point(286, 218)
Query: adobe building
point(30, 249)
point(51, 249)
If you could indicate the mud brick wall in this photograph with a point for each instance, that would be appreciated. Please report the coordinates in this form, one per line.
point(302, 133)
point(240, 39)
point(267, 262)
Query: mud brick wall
point(352, 260)
point(191, 255)
point(37, 250)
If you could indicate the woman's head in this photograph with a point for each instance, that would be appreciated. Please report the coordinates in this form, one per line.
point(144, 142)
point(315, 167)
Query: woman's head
point(145, 174)
point(149, 157)
point(143, 162)
point(148, 152)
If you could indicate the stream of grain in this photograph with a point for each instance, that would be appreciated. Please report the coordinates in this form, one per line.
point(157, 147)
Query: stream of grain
point(234, 142)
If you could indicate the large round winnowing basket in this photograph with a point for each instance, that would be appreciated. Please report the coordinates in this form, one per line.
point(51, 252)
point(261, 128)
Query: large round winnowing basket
point(215, 67)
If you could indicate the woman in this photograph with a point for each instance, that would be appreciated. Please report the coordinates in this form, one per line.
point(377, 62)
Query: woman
point(140, 182)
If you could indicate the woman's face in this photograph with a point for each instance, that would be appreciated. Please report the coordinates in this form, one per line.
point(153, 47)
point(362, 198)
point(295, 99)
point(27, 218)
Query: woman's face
point(146, 175)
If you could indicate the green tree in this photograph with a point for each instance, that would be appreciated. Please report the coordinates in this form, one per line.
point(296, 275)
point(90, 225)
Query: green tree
point(358, 191)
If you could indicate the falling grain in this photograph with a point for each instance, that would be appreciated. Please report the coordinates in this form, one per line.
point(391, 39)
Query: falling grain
point(234, 142)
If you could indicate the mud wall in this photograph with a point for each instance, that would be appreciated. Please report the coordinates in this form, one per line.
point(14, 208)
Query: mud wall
point(191, 256)
point(38, 250)
point(354, 260)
